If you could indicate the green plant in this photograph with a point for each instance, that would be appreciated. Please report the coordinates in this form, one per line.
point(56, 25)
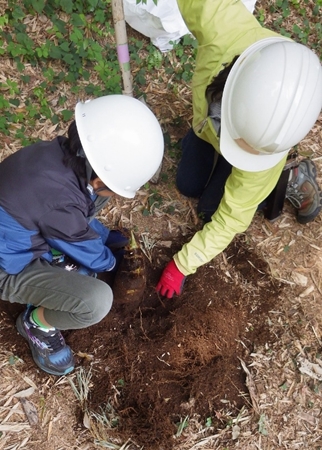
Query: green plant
point(13, 359)
point(79, 43)
point(181, 60)
point(305, 26)
point(182, 425)
point(154, 59)
point(154, 200)
point(261, 16)
point(208, 422)
point(262, 425)
point(81, 386)
point(107, 416)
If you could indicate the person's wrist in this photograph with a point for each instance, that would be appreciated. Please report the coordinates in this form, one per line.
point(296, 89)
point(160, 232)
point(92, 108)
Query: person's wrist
point(173, 269)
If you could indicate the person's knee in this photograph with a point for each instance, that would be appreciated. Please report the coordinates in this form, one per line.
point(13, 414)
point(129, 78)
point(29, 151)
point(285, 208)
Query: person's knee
point(183, 186)
point(187, 185)
point(100, 303)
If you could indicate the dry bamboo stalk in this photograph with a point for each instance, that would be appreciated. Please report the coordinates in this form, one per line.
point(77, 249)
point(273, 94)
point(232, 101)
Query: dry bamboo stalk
point(122, 46)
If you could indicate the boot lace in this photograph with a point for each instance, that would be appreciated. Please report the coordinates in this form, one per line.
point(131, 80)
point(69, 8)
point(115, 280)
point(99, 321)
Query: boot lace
point(295, 196)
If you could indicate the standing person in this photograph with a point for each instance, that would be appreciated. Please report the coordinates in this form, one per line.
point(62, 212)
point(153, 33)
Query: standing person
point(50, 193)
point(255, 95)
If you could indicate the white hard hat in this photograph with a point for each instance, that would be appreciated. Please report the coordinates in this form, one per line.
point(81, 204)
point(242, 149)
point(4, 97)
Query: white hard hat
point(271, 99)
point(122, 140)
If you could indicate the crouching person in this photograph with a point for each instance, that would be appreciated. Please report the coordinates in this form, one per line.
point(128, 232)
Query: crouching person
point(51, 244)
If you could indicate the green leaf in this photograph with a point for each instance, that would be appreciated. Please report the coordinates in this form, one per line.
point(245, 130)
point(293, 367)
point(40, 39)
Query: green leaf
point(25, 78)
point(78, 20)
point(100, 16)
point(67, 6)
point(262, 425)
point(64, 46)
point(59, 25)
point(92, 4)
point(67, 114)
point(18, 13)
point(55, 119)
point(69, 59)
point(38, 5)
point(15, 101)
point(55, 52)
point(76, 36)
point(20, 66)
point(208, 422)
point(12, 360)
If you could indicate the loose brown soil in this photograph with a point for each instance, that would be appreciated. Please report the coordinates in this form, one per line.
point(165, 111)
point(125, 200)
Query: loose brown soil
point(167, 359)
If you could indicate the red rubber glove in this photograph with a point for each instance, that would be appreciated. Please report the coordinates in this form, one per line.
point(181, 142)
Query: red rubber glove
point(171, 281)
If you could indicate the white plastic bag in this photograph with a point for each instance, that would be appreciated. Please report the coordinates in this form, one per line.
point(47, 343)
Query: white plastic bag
point(163, 22)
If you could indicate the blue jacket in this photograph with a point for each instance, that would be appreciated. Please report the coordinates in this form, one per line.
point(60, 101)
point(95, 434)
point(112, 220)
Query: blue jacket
point(44, 205)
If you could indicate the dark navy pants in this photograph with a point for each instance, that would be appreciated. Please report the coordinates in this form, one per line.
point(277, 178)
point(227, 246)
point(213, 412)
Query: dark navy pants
point(198, 177)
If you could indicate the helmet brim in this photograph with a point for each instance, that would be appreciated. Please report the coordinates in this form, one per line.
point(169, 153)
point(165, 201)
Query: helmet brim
point(242, 159)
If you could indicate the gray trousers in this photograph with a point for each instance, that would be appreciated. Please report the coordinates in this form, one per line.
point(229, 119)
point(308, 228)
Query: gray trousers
point(71, 300)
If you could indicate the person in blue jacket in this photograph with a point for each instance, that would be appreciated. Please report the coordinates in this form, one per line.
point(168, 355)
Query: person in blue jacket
point(50, 193)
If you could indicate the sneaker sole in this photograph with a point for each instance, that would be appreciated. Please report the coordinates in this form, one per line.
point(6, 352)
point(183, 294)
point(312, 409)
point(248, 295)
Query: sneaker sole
point(21, 331)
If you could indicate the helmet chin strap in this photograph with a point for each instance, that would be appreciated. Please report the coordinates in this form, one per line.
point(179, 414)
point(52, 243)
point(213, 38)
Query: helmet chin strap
point(100, 189)
point(89, 170)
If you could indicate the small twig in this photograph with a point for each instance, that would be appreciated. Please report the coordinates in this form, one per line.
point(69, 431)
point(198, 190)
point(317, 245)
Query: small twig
point(141, 326)
point(162, 360)
point(255, 267)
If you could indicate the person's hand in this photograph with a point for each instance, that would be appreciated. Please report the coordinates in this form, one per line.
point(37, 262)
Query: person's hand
point(171, 281)
point(118, 255)
point(116, 240)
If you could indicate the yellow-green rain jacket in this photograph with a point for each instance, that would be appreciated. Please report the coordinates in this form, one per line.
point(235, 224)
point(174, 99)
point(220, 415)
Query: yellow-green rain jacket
point(224, 29)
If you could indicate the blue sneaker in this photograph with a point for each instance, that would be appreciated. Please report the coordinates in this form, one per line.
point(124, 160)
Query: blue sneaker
point(48, 347)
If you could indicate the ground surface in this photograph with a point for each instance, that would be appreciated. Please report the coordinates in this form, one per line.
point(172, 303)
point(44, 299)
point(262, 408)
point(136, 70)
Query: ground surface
point(180, 356)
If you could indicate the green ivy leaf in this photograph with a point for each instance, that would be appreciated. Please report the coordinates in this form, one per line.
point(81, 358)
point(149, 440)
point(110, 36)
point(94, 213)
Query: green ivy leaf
point(38, 5)
point(18, 13)
point(67, 114)
point(77, 20)
point(64, 46)
point(67, 6)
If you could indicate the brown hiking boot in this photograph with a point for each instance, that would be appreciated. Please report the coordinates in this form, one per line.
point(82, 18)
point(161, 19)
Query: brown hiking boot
point(303, 191)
